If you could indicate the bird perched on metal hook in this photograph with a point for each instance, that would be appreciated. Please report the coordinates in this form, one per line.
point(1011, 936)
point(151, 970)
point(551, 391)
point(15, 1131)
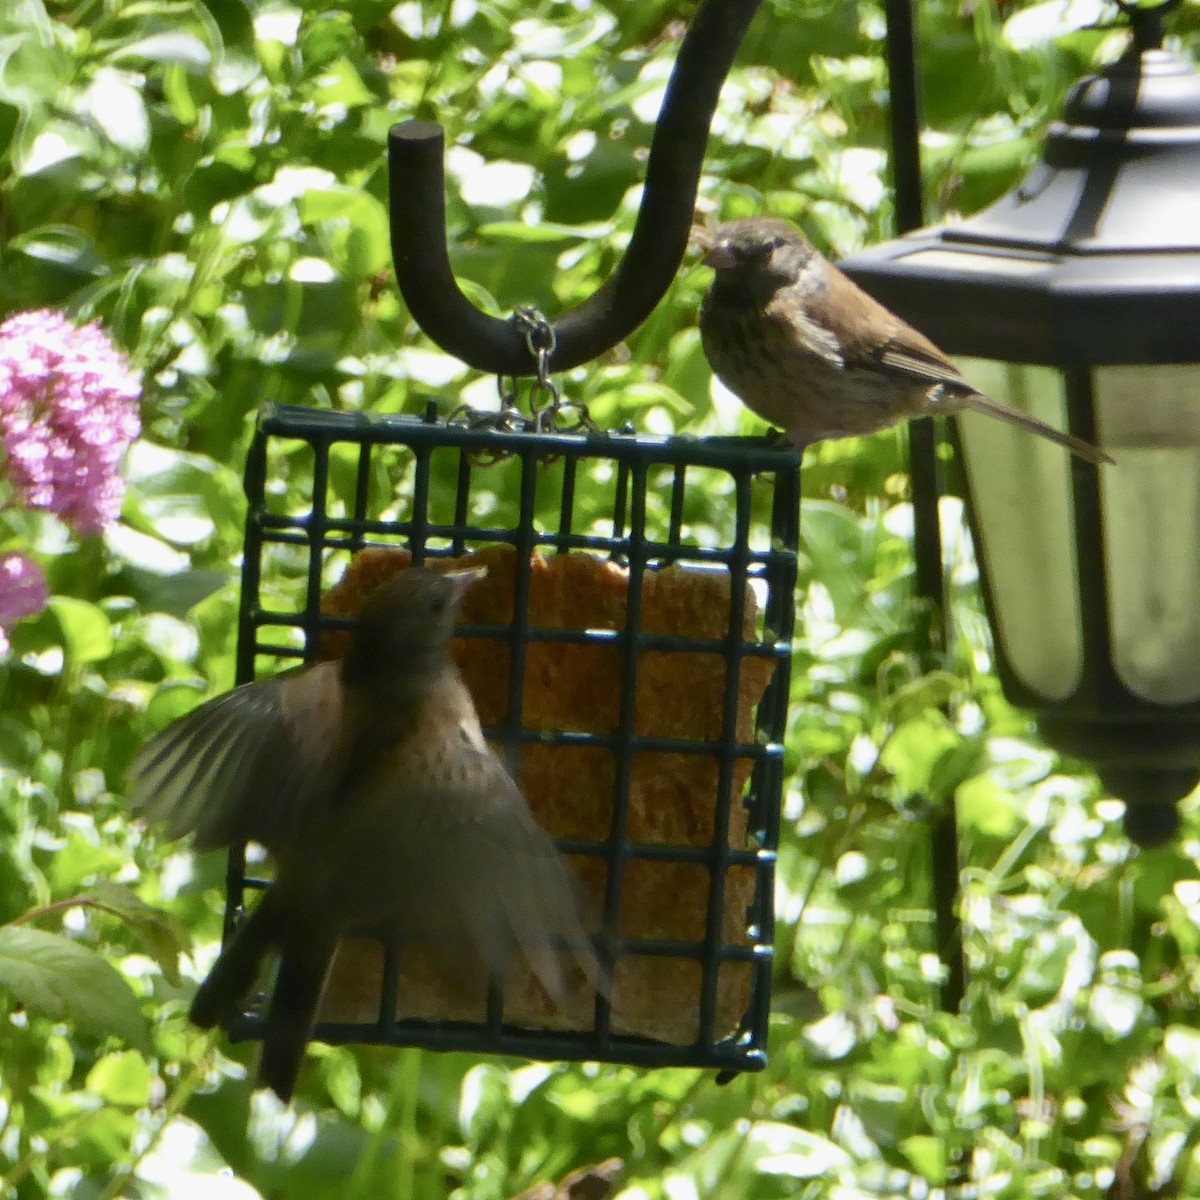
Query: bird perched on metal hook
point(370, 782)
point(808, 350)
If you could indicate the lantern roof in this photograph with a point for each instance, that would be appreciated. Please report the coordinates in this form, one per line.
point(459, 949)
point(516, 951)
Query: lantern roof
point(1095, 258)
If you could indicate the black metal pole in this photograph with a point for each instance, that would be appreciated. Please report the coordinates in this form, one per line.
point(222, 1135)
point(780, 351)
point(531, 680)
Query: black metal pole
point(905, 115)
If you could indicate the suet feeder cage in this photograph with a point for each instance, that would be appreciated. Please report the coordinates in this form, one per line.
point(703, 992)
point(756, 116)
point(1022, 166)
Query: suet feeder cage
point(629, 654)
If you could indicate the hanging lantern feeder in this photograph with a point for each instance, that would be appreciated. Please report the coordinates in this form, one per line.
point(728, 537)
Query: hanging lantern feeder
point(1077, 297)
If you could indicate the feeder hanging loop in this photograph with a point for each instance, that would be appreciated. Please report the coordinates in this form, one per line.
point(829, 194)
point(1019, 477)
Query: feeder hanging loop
point(540, 342)
point(547, 408)
point(656, 247)
point(559, 415)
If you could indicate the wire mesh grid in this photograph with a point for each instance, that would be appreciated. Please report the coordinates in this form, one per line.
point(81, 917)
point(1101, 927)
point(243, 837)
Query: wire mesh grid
point(323, 487)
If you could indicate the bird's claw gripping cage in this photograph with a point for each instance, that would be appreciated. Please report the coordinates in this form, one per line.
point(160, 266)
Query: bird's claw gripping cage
point(646, 520)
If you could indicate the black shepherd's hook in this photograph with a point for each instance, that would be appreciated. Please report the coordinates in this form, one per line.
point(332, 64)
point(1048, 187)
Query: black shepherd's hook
point(626, 299)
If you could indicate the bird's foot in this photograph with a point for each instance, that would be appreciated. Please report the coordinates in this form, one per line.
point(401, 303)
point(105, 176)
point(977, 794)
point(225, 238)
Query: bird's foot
point(780, 439)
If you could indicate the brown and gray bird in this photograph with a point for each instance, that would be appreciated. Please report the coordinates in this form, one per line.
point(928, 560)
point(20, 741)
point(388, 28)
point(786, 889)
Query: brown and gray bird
point(370, 782)
point(808, 350)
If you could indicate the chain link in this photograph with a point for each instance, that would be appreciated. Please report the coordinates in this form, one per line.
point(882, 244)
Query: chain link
point(548, 411)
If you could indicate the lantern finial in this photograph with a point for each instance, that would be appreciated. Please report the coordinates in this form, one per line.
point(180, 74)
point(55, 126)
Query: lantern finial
point(1147, 22)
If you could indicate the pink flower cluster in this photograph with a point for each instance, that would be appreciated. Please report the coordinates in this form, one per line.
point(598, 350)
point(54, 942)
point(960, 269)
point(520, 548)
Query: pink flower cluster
point(22, 591)
point(68, 410)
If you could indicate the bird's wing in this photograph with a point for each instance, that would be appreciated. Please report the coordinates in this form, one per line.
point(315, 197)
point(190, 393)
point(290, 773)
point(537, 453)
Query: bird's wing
point(248, 765)
point(909, 360)
point(873, 337)
point(497, 874)
point(922, 363)
point(790, 324)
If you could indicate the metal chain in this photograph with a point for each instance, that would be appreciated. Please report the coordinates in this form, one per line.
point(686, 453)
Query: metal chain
point(549, 412)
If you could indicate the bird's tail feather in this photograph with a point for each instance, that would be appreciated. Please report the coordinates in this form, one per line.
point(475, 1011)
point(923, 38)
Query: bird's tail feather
point(980, 403)
point(292, 1014)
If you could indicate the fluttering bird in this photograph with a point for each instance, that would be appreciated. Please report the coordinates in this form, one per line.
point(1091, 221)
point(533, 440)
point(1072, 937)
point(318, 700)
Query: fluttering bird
point(387, 813)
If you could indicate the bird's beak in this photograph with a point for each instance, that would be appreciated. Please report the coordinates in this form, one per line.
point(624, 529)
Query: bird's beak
point(717, 254)
point(720, 257)
point(463, 579)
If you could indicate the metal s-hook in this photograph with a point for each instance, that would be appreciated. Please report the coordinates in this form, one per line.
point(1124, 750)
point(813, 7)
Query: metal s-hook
point(655, 250)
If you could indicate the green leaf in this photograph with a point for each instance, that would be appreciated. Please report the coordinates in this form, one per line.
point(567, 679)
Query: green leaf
point(1183, 1045)
point(164, 935)
point(53, 151)
point(177, 48)
point(543, 231)
point(57, 978)
point(86, 631)
point(958, 764)
point(931, 691)
point(117, 107)
point(916, 746)
point(778, 1149)
point(123, 1078)
point(927, 1156)
point(832, 537)
point(181, 497)
point(234, 20)
point(361, 223)
point(987, 808)
point(340, 83)
point(61, 246)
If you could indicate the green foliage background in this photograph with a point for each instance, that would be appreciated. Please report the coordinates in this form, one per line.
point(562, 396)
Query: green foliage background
point(207, 178)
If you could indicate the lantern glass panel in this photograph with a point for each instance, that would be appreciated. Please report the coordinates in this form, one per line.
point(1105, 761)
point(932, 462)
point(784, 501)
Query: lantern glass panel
point(1030, 565)
point(1148, 419)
